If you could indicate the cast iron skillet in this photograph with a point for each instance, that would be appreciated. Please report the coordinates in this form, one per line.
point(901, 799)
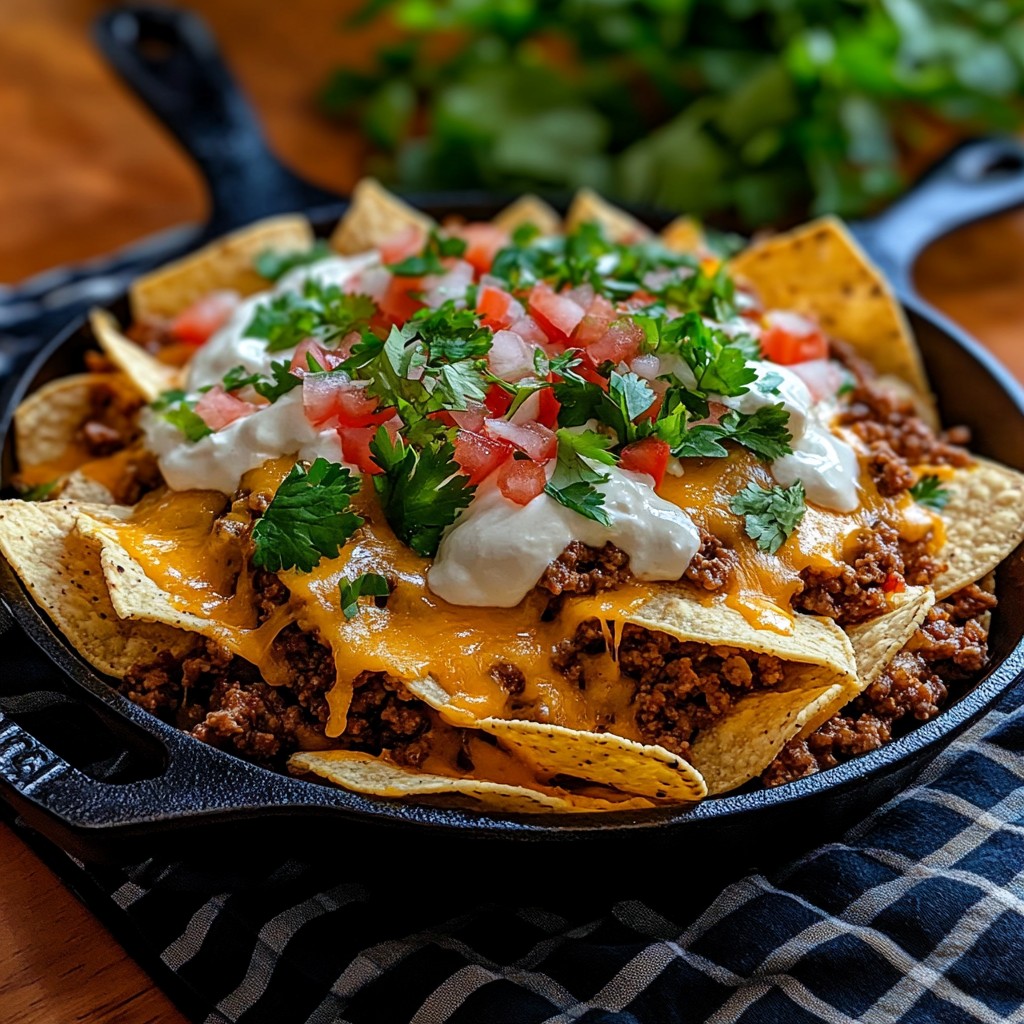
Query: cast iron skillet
point(105, 779)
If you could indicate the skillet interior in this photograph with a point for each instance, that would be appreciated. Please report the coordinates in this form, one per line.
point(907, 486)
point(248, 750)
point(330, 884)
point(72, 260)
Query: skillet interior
point(195, 788)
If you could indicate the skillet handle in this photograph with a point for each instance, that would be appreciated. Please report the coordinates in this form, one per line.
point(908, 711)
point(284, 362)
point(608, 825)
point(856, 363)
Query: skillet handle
point(976, 180)
point(171, 62)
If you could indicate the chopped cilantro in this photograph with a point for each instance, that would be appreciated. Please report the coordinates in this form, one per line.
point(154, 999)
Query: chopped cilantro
point(718, 363)
point(283, 381)
point(179, 410)
point(572, 483)
point(450, 334)
point(273, 264)
point(764, 432)
point(769, 383)
point(40, 492)
point(421, 491)
point(308, 518)
point(771, 515)
point(368, 584)
point(320, 311)
point(928, 491)
point(236, 378)
point(436, 248)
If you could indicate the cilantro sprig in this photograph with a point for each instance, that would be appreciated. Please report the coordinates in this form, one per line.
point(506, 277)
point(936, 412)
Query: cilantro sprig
point(421, 490)
point(436, 248)
point(275, 263)
point(319, 311)
point(770, 515)
point(574, 479)
point(928, 491)
point(308, 519)
point(179, 410)
point(368, 584)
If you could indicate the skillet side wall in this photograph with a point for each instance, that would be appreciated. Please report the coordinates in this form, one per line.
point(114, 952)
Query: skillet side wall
point(765, 826)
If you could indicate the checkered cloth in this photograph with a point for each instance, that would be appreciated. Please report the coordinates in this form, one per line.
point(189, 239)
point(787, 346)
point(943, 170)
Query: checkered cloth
point(917, 916)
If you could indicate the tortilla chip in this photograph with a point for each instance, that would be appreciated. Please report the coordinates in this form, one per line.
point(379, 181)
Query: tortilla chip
point(374, 776)
point(148, 374)
point(84, 490)
point(45, 424)
point(373, 217)
point(602, 758)
point(877, 642)
point(819, 270)
point(588, 207)
point(984, 522)
point(740, 745)
point(684, 234)
point(226, 263)
point(530, 209)
point(60, 568)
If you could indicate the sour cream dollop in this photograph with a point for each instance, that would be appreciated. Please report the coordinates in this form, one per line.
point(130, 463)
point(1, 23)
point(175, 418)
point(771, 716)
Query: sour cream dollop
point(496, 551)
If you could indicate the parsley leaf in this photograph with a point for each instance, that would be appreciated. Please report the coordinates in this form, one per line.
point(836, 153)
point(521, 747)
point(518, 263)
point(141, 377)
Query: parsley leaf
point(179, 410)
point(572, 483)
point(308, 518)
point(928, 491)
point(771, 515)
point(421, 492)
point(320, 311)
point(273, 264)
point(368, 584)
point(435, 248)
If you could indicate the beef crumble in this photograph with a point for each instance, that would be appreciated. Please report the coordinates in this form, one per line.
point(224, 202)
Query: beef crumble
point(683, 687)
point(581, 569)
point(950, 645)
point(711, 565)
point(384, 716)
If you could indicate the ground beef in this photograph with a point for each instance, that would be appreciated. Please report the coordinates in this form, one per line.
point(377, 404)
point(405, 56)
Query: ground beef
point(581, 569)
point(589, 638)
point(311, 671)
point(683, 687)
point(950, 645)
point(879, 416)
point(111, 422)
point(271, 593)
point(151, 332)
point(712, 564)
point(384, 716)
point(891, 473)
point(509, 677)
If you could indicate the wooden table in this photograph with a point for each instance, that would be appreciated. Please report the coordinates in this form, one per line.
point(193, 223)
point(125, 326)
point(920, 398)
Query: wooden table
point(82, 171)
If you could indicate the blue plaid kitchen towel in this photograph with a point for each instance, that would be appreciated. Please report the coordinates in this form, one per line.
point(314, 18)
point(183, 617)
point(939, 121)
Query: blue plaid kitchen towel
point(916, 916)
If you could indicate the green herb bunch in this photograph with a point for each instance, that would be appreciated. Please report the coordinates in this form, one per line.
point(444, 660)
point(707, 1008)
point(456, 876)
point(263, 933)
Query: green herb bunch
point(756, 109)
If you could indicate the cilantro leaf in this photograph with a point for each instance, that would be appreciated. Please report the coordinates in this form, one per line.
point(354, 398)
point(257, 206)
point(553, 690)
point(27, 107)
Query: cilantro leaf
point(368, 584)
point(179, 410)
point(718, 364)
point(320, 311)
point(632, 394)
point(421, 491)
point(451, 334)
point(40, 492)
point(283, 380)
point(771, 515)
point(928, 491)
point(765, 432)
point(236, 378)
point(308, 518)
point(273, 263)
point(572, 483)
point(436, 247)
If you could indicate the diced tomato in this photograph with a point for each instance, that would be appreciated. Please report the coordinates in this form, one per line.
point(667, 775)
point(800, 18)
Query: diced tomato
point(482, 244)
point(331, 398)
point(408, 242)
point(497, 400)
point(557, 315)
point(823, 377)
point(529, 330)
point(648, 456)
point(218, 408)
point(521, 480)
point(309, 348)
point(470, 418)
point(599, 316)
point(532, 438)
point(399, 302)
point(355, 444)
point(479, 456)
point(894, 584)
point(205, 317)
point(549, 409)
point(619, 343)
point(789, 338)
point(497, 308)
point(587, 369)
point(583, 295)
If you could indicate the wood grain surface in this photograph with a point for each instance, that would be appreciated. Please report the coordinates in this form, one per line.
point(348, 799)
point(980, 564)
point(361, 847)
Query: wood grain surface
point(84, 170)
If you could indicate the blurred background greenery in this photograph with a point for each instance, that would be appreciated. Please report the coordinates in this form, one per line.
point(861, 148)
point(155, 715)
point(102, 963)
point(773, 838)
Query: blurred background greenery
point(753, 111)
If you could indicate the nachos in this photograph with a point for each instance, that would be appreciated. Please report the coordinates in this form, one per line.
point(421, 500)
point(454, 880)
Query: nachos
point(533, 515)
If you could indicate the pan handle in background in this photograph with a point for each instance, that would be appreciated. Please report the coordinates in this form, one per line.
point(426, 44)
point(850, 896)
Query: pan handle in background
point(976, 180)
point(170, 60)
